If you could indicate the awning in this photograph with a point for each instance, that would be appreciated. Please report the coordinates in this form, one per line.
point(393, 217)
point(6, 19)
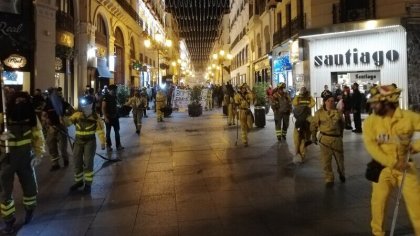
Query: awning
point(102, 69)
point(351, 28)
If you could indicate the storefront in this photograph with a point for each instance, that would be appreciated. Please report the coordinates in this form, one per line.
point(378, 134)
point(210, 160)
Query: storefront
point(17, 40)
point(262, 71)
point(373, 52)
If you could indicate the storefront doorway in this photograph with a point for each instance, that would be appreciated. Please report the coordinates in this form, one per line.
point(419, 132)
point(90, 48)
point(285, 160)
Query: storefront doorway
point(365, 79)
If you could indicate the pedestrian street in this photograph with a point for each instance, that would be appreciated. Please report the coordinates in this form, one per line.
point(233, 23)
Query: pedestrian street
point(185, 176)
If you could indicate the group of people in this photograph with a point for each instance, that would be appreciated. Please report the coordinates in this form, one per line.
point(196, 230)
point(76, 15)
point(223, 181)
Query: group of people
point(387, 134)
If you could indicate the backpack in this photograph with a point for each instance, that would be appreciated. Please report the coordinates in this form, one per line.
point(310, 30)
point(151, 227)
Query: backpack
point(301, 113)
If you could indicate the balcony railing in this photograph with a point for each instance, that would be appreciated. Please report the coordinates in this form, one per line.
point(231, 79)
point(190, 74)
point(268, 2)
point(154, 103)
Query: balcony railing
point(290, 29)
point(343, 12)
point(131, 12)
point(64, 22)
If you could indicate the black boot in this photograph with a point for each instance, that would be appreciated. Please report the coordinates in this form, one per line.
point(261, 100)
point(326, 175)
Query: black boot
point(66, 163)
point(342, 178)
point(29, 215)
point(76, 186)
point(9, 229)
point(87, 189)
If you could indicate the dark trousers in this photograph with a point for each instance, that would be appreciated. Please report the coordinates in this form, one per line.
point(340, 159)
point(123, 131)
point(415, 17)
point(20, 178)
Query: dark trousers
point(357, 120)
point(113, 122)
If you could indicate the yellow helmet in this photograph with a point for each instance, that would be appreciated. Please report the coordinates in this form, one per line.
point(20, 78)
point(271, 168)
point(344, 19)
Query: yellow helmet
point(281, 85)
point(385, 93)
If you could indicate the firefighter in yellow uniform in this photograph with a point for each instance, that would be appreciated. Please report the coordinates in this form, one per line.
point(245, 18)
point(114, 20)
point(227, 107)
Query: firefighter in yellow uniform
point(387, 137)
point(87, 123)
point(281, 103)
point(330, 124)
point(243, 100)
point(138, 102)
point(160, 104)
point(24, 136)
point(302, 133)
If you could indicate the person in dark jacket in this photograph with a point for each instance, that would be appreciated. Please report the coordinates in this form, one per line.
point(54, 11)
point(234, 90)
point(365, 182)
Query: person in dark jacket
point(110, 112)
point(347, 107)
point(357, 99)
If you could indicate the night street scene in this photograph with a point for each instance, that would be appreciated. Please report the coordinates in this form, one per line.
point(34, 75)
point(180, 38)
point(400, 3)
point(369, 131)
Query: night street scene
point(210, 117)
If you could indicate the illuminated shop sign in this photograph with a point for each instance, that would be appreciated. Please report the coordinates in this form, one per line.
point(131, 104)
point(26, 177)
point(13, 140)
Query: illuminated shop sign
point(354, 57)
point(15, 61)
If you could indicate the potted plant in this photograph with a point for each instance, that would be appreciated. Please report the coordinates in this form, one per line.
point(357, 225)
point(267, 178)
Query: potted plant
point(260, 108)
point(194, 108)
point(123, 92)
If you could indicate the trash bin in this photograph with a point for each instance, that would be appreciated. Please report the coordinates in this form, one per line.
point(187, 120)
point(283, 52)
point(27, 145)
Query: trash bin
point(259, 113)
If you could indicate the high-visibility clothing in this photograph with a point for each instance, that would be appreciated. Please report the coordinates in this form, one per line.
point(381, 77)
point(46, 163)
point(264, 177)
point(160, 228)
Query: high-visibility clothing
point(23, 140)
point(388, 139)
point(300, 137)
point(331, 125)
point(243, 102)
point(85, 144)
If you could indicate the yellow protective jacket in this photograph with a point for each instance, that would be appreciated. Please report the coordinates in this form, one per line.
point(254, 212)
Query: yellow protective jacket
point(303, 101)
point(387, 138)
point(329, 123)
point(32, 135)
point(243, 101)
point(88, 126)
point(137, 102)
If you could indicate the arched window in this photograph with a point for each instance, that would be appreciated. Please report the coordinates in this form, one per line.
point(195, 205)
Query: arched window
point(101, 34)
point(132, 50)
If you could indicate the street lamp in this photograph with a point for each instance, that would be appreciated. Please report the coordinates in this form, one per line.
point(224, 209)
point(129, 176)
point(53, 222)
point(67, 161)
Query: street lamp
point(220, 58)
point(159, 44)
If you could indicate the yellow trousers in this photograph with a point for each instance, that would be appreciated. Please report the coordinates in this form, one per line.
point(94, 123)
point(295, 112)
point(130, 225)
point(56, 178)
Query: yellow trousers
point(231, 114)
point(330, 147)
point(246, 125)
point(299, 140)
point(389, 180)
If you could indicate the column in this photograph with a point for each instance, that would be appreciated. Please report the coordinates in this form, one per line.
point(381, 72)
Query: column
point(45, 36)
point(127, 62)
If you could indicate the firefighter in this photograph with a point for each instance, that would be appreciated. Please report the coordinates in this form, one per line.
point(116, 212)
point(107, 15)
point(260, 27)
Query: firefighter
point(209, 101)
point(243, 100)
point(387, 137)
point(160, 104)
point(87, 123)
point(139, 103)
point(57, 133)
point(281, 103)
point(302, 134)
point(22, 149)
point(330, 124)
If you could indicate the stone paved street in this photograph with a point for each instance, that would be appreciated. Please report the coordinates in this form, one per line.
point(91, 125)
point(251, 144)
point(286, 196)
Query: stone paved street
point(185, 176)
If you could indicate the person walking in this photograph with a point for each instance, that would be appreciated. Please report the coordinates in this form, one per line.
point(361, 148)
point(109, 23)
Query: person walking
point(22, 148)
point(281, 104)
point(138, 102)
point(87, 123)
point(243, 100)
point(160, 105)
point(57, 132)
point(387, 136)
point(303, 103)
point(110, 113)
point(229, 101)
point(330, 124)
point(347, 105)
point(326, 92)
point(356, 101)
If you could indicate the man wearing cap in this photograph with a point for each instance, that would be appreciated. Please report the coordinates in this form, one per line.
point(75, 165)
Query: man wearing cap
point(330, 124)
point(138, 102)
point(243, 100)
point(387, 135)
point(281, 103)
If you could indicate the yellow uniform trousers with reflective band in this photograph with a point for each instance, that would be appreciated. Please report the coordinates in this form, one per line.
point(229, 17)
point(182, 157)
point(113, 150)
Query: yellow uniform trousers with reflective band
point(57, 143)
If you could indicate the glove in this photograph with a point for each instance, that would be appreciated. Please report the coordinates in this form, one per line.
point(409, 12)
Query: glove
point(36, 161)
point(6, 136)
point(103, 146)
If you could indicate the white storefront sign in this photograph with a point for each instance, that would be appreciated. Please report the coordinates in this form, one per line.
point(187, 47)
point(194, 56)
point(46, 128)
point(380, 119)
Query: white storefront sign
point(381, 54)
